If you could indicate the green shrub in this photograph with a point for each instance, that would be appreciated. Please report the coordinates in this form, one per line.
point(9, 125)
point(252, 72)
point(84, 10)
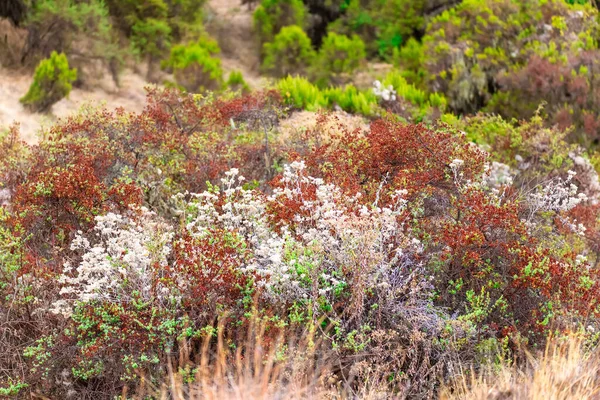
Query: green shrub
point(352, 100)
point(151, 37)
point(80, 29)
point(289, 53)
point(236, 82)
point(339, 55)
point(52, 81)
point(410, 59)
point(194, 67)
point(272, 15)
point(384, 25)
point(470, 47)
point(300, 93)
point(184, 17)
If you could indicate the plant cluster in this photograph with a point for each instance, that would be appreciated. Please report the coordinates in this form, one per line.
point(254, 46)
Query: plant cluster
point(135, 242)
point(52, 82)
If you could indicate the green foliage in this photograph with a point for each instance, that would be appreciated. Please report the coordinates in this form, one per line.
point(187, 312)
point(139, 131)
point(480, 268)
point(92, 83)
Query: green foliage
point(339, 55)
point(52, 81)
point(470, 46)
point(183, 17)
point(410, 59)
point(290, 52)
point(150, 37)
point(194, 66)
point(384, 25)
point(352, 100)
point(80, 29)
point(272, 15)
point(236, 82)
point(300, 93)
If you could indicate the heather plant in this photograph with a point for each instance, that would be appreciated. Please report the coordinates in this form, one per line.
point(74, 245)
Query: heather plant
point(195, 248)
point(52, 81)
point(290, 53)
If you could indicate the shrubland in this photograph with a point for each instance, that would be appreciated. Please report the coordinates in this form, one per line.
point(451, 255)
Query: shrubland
point(447, 245)
point(135, 246)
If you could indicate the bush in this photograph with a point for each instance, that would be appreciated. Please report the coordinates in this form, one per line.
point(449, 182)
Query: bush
point(272, 15)
point(81, 30)
point(183, 17)
point(383, 25)
point(300, 93)
point(339, 56)
point(410, 59)
point(469, 46)
point(289, 53)
point(52, 81)
point(352, 100)
point(194, 67)
point(236, 82)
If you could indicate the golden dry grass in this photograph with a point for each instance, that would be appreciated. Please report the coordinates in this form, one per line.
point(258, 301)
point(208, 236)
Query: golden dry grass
point(563, 371)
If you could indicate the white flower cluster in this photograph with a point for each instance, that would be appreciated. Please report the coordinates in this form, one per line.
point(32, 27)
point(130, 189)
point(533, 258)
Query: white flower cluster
point(331, 241)
point(498, 175)
point(385, 93)
point(556, 195)
point(332, 235)
point(119, 250)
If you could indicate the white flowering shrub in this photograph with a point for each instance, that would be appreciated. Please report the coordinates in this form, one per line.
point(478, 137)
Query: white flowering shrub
point(119, 259)
point(557, 195)
point(327, 244)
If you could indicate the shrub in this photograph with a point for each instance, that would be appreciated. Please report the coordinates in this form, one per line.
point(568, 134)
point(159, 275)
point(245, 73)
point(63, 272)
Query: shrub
point(410, 59)
point(352, 100)
point(300, 93)
point(52, 81)
point(272, 15)
point(289, 53)
point(236, 82)
point(195, 68)
point(339, 56)
point(81, 30)
point(468, 46)
point(565, 88)
point(151, 37)
point(384, 26)
point(183, 17)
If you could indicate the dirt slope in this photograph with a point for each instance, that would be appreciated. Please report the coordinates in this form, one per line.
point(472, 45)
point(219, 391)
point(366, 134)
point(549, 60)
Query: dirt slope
point(13, 85)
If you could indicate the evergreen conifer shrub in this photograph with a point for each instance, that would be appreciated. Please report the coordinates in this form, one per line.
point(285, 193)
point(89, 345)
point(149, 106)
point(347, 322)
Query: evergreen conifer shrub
point(52, 81)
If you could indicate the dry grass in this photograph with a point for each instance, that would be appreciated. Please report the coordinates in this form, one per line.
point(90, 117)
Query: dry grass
point(564, 370)
point(303, 367)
